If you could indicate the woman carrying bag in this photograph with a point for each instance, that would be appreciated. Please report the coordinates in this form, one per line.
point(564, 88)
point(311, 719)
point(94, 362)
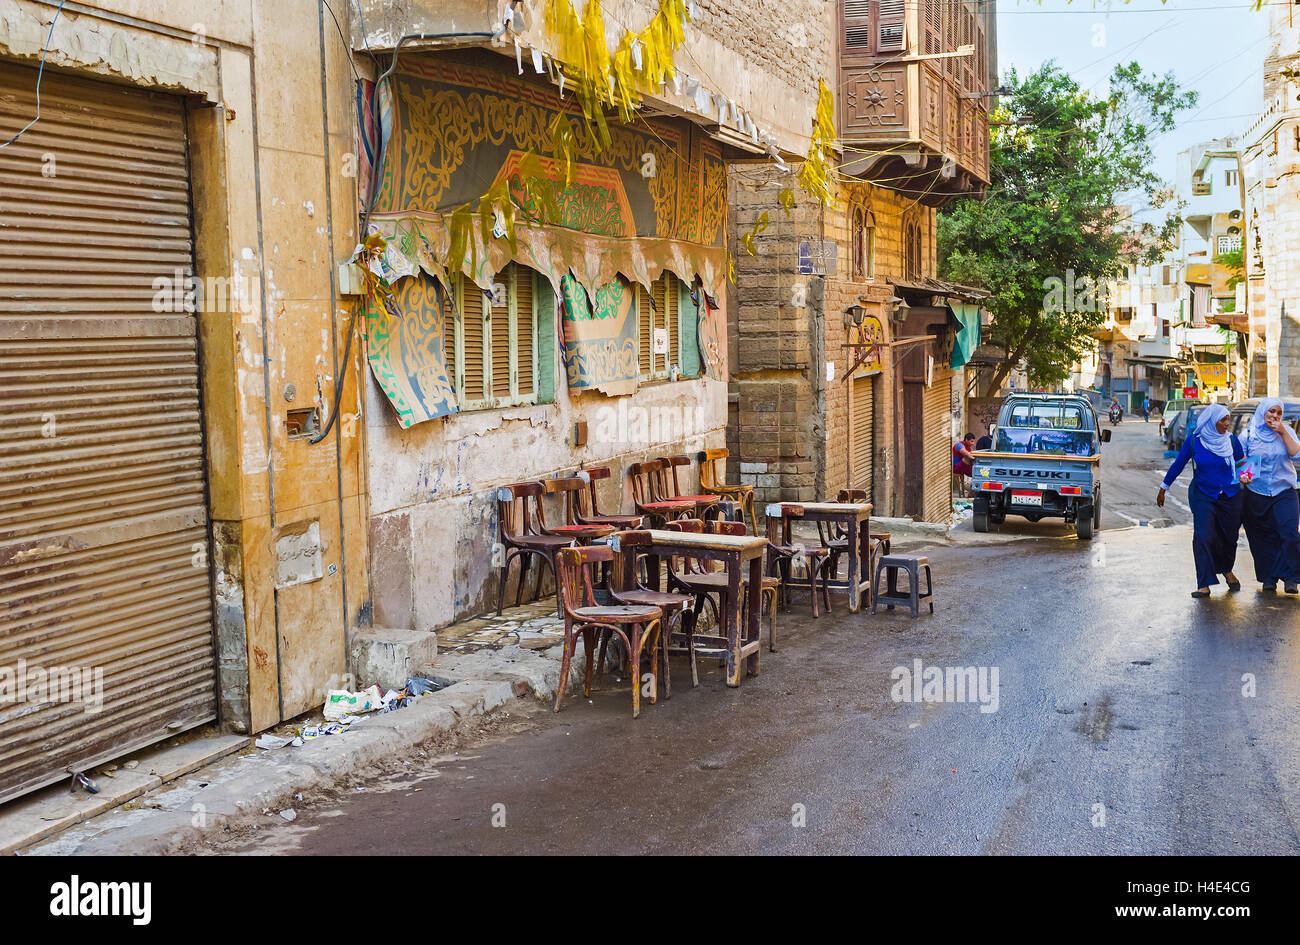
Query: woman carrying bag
point(1271, 510)
point(1214, 497)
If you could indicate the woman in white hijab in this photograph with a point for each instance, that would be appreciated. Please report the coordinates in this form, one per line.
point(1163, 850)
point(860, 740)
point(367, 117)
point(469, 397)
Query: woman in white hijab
point(1271, 512)
point(1214, 497)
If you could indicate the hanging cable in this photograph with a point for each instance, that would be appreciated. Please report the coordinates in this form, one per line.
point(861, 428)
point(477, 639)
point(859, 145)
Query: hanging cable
point(373, 195)
point(39, 73)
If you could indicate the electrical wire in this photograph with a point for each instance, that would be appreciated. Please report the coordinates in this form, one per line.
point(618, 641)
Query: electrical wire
point(39, 74)
point(377, 172)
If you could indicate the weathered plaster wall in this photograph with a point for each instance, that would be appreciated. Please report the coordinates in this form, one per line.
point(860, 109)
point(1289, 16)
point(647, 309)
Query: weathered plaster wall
point(433, 508)
point(274, 208)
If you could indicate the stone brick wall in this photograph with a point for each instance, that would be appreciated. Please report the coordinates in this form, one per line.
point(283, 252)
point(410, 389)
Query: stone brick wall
point(785, 37)
point(789, 431)
point(777, 316)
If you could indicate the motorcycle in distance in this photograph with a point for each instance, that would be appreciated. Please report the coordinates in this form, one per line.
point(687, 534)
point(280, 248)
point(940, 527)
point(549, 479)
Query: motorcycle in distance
point(1116, 414)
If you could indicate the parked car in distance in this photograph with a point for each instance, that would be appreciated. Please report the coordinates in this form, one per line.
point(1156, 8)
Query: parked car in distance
point(1170, 409)
point(1172, 425)
point(1189, 424)
point(1242, 413)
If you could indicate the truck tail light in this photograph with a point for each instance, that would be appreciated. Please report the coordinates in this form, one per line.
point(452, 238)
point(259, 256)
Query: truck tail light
point(991, 486)
point(1071, 490)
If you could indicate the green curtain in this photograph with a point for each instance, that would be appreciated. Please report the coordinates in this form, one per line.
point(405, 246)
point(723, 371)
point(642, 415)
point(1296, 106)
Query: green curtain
point(968, 338)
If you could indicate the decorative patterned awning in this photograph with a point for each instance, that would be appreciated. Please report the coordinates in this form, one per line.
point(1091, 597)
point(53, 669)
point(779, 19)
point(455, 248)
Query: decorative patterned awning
point(654, 201)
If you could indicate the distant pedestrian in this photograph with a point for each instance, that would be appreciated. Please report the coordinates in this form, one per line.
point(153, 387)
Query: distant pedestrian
point(1146, 409)
point(1271, 510)
point(963, 463)
point(1214, 497)
point(986, 441)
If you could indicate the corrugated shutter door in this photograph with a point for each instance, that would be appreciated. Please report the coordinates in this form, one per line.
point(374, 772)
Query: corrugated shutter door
point(938, 446)
point(103, 513)
point(862, 434)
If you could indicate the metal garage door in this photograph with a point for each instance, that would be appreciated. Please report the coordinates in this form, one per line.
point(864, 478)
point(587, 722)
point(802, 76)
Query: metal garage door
point(861, 435)
point(105, 597)
point(937, 423)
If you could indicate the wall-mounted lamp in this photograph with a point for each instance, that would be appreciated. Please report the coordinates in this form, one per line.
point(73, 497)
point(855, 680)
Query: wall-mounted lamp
point(854, 315)
point(898, 308)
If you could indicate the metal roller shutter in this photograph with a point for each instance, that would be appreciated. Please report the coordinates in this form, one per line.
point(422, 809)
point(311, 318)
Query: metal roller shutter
point(103, 509)
point(937, 423)
point(862, 435)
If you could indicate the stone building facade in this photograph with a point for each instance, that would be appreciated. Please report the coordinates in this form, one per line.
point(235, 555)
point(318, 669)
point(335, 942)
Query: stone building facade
point(1271, 161)
point(433, 499)
point(192, 195)
point(229, 470)
point(913, 121)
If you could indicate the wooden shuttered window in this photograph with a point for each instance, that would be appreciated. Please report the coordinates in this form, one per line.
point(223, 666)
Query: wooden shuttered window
point(873, 26)
point(889, 30)
point(857, 24)
point(659, 309)
point(492, 348)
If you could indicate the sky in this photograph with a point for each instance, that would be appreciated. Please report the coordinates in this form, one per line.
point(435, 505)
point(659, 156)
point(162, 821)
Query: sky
point(1216, 49)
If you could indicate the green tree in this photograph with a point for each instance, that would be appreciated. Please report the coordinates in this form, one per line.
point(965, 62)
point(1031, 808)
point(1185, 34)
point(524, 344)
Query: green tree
point(1056, 223)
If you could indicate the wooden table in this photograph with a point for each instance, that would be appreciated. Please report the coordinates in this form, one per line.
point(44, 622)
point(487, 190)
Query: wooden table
point(855, 518)
point(735, 552)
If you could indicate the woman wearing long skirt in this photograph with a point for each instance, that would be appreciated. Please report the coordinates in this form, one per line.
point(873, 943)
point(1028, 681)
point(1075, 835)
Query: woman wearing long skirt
point(1271, 510)
point(1214, 497)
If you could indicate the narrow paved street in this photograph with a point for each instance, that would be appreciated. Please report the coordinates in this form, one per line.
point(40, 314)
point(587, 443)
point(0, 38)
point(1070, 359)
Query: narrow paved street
point(1114, 688)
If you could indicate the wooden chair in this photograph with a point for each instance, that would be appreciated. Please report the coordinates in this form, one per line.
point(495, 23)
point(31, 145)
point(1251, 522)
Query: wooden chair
point(677, 620)
point(692, 576)
point(573, 489)
point(706, 506)
point(771, 585)
point(715, 484)
point(782, 552)
point(837, 540)
point(522, 527)
point(649, 493)
point(589, 512)
point(583, 616)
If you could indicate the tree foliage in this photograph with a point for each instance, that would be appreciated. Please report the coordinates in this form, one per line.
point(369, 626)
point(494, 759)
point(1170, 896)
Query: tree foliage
point(1066, 172)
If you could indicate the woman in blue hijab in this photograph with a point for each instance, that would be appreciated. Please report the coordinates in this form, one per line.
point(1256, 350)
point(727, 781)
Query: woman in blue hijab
point(1271, 511)
point(1214, 497)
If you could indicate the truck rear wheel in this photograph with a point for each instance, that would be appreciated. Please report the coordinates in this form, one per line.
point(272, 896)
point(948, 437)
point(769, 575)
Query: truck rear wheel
point(981, 513)
point(1083, 524)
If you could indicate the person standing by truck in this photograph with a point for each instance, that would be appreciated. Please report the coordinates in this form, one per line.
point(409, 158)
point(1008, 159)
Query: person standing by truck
point(963, 464)
point(1271, 509)
point(1214, 497)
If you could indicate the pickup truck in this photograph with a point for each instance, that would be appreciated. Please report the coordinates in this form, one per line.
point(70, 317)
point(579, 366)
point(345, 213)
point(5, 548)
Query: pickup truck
point(1045, 463)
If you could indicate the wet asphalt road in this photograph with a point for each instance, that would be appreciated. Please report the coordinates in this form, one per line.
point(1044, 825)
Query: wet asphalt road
point(1115, 688)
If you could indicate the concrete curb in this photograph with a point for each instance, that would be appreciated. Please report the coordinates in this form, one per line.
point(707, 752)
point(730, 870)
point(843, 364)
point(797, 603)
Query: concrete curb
point(241, 788)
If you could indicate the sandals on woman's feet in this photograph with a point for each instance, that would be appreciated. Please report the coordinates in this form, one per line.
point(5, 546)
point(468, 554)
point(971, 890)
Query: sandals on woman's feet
point(1204, 593)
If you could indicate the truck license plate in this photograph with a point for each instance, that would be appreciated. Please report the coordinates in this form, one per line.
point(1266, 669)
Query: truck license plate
point(1026, 498)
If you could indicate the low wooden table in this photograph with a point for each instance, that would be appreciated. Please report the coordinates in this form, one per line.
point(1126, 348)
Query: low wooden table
point(855, 517)
point(735, 552)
